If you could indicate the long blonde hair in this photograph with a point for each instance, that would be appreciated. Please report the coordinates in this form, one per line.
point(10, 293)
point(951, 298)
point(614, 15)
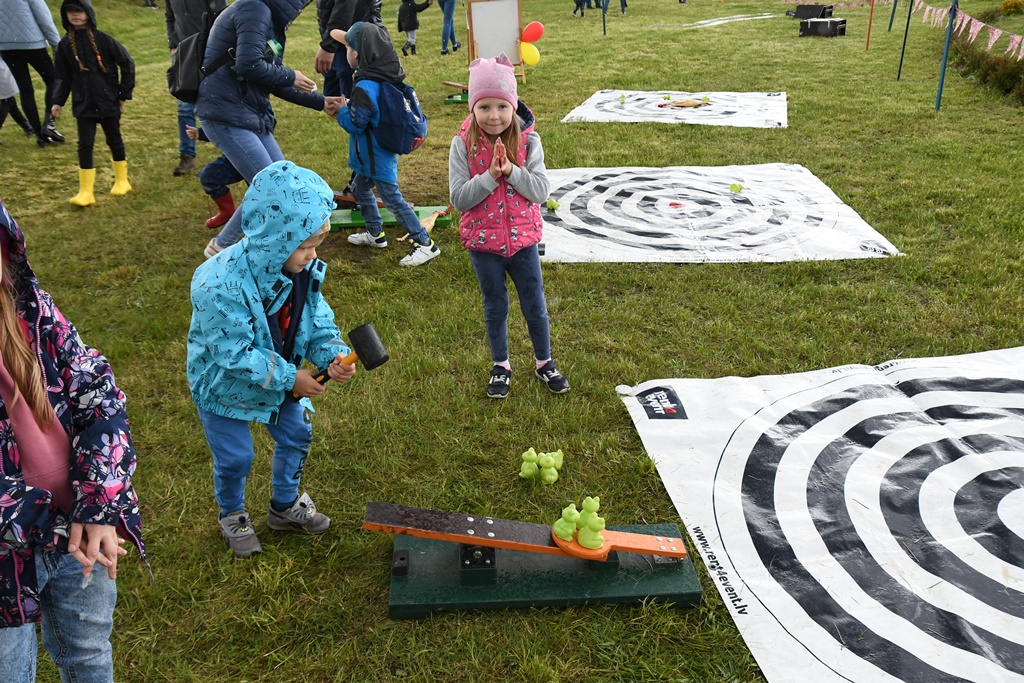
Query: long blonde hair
point(511, 137)
point(18, 358)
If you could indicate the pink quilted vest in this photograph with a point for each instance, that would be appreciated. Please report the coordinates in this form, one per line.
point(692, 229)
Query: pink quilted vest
point(506, 221)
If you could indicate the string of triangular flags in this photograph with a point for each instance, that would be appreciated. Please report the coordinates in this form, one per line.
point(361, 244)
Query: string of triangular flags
point(840, 5)
point(936, 16)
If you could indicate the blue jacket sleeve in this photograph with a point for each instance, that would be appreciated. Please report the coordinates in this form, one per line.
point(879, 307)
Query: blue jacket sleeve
point(251, 36)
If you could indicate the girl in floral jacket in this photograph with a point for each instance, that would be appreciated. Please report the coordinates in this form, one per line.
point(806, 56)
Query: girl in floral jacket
point(497, 181)
point(66, 497)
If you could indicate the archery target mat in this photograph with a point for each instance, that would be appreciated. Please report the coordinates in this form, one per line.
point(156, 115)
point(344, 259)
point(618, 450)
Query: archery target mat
point(741, 109)
point(861, 523)
point(690, 214)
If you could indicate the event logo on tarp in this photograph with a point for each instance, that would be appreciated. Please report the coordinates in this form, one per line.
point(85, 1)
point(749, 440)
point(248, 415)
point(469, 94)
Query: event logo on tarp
point(661, 403)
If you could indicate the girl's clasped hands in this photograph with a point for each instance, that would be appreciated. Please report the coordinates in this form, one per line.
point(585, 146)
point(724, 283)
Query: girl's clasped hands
point(500, 165)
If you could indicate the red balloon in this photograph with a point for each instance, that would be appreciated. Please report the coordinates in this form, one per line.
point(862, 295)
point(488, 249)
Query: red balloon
point(533, 32)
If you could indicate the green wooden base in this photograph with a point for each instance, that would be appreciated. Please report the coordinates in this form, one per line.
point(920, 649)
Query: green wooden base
point(457, 98)
point(436, 579)
point(352, 218)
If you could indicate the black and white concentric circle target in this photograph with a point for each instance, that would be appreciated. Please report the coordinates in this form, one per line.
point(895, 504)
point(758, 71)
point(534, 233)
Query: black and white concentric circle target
point(739, 109)
point(887, 519)
point(780, 212)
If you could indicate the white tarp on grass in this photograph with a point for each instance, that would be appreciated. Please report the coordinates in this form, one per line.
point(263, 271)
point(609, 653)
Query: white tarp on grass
point(861, 523)
point(741, 109)
point(688, 214)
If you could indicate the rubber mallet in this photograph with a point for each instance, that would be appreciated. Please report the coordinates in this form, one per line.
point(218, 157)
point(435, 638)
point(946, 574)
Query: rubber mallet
point(366, 347)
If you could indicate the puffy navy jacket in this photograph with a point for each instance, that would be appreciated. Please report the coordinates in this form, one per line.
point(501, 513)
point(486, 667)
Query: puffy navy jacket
point(239, 94)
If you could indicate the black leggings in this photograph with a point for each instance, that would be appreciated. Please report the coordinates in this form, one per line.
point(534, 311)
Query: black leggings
point(87, 138)
point(9, 106)
point(19, 61)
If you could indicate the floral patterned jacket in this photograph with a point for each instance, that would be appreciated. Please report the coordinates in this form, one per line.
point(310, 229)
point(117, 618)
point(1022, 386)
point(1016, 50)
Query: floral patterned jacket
point(90, 407)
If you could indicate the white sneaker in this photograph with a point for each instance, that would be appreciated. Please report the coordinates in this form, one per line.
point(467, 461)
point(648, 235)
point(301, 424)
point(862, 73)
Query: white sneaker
point(365, 239)
point(212, 249)
point(420, 254)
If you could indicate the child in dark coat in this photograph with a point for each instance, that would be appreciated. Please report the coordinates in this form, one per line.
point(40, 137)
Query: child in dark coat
point(409, 22)
point(88, 63)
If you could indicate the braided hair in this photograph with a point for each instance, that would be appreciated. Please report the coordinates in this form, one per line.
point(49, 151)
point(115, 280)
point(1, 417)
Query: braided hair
point(96, 50)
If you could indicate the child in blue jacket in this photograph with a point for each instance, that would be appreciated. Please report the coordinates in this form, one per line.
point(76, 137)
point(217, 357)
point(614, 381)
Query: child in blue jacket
point(371, 53)
point(257, 314)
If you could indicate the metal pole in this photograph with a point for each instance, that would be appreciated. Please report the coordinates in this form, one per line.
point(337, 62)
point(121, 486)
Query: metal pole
point(910, 11)
point(945, 53)
point(604, 13)
point(893, 16)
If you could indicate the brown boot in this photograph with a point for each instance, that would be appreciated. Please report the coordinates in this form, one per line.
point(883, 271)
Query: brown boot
point(185, 164)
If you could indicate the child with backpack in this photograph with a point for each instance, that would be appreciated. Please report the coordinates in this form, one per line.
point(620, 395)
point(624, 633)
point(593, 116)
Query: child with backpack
point(408, 22)
point(371, 53)
point(88, 63)
point(498, 181)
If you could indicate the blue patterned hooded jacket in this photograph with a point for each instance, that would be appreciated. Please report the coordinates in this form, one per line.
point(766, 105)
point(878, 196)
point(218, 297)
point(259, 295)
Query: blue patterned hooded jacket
point(91, 409)
point(235, 366)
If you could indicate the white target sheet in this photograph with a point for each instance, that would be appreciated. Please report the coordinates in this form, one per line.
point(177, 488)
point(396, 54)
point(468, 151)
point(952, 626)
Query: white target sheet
point(740, 109)
point(861, 523)
point(692, 214)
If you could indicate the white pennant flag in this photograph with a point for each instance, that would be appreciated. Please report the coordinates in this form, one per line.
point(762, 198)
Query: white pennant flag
point(1021, 52)
point(961, 21)
point(927, 14)
point(975, 29)
point(917, 5)
point(1014, 44)
point(993, 36)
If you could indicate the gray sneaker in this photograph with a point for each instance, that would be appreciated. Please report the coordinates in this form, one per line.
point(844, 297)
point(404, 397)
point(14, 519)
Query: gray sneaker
point(301, 516)
point(236, 530)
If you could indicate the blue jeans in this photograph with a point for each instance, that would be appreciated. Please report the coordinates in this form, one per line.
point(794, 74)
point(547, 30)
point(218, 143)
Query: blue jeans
point(78, 617)
point(524, 269)
point(249, 153)
point(338, 81)
point(186, 115)
point(217, 175)
point(362, 192)
point(231, 444)
point(448, 29)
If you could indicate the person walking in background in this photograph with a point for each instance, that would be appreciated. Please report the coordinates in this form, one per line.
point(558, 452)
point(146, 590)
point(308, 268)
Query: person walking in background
point(99, 75)
point(184, 18)
point(234, 102)
point(497, 181)
point(258, 312)
point(408, 22)
point(26, 28)
point(8, 105)
point(448, 28)
point(67, 503)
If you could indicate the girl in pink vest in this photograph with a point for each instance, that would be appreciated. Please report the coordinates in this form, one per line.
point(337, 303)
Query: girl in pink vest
point(497, 181)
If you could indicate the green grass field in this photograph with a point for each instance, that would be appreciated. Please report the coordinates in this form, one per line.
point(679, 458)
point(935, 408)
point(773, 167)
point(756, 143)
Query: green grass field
point(943, 187)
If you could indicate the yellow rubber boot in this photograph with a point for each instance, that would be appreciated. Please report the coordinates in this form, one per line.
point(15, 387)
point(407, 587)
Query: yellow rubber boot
point(86, 179)
point(121, 184)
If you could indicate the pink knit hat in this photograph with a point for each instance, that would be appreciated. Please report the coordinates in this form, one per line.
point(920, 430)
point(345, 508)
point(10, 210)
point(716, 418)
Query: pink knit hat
point(492, 78)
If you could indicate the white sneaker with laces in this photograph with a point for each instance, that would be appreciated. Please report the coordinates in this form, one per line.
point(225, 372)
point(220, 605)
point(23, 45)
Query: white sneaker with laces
point(212, 249)
point(365, 239)
point(420, 254)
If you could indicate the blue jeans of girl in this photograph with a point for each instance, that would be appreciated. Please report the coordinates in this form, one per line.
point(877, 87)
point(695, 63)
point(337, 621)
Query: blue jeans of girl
point(231, 444)
point(249, 153)
point(362, 192)
point(448, 28)
point(524, 269)
point(78, 616)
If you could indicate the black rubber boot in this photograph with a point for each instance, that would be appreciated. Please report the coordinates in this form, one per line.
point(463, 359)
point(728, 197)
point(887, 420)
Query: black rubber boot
point(405, 49)
point(412, 48)
point(50, 129)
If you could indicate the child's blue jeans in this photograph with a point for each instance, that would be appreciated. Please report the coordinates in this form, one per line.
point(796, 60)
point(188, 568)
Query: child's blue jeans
point(524, 269)
point(217, 175)
point(76, 626)
point(362, 192)
point(231, 444)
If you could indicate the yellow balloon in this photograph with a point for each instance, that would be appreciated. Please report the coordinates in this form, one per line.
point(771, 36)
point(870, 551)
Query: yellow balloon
point(530, 54)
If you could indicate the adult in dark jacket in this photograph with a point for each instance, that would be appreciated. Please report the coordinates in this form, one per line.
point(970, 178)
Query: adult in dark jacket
point(234, 101)
point(185, 18)
point(26, 28)
point(330, 57)
point(99, 74)
point(408, 22)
